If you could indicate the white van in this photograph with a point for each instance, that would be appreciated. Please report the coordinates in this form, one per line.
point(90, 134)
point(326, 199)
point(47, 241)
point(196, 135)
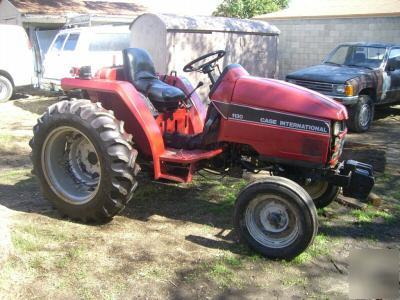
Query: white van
point(16, 60)
point(96, 46)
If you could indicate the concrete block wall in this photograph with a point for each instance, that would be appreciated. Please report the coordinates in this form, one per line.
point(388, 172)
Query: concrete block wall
point(305, 42)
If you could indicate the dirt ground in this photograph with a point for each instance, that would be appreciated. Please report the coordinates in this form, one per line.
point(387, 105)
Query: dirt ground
point(175, 241)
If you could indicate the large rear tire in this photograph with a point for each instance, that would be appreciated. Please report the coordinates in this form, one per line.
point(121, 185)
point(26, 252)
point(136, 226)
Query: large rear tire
point(6, 89)
point(276, 217)
point(84, 160)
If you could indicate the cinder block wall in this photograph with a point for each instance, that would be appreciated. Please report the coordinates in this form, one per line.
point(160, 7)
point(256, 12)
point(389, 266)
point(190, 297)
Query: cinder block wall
point(305, 42)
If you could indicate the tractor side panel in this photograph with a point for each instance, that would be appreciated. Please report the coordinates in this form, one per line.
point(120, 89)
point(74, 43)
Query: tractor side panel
point(280, 121)
point(275, 135)
point(128, 106)
point(277, 144)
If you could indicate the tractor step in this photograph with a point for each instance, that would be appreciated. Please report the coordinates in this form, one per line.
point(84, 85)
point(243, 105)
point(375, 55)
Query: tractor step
point(179, 165)
point(187, 156)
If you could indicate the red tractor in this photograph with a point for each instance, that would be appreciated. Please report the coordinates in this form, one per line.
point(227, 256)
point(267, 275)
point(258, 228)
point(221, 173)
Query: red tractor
point(86, 153)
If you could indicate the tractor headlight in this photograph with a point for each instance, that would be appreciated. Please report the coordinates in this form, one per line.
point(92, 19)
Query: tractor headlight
point(337, 128)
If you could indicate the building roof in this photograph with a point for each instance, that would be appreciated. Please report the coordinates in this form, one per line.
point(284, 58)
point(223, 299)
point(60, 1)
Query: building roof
point(50, 7)
point(369, 44)
point(336, 8)
point(210, 24)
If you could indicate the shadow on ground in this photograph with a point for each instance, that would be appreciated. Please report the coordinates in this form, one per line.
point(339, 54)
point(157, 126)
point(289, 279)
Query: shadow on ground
point(188, 204)
point(386, 111)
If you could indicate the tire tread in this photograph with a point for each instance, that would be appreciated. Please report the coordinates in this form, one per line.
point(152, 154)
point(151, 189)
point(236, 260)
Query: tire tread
point(119, 155)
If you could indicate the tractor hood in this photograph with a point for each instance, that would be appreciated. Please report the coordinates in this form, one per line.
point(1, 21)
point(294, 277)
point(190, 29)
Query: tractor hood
point(328, 73)
point(276, 95)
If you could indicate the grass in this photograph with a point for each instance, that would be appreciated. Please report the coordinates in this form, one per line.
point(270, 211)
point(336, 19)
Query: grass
point(233, 261)
point(11, 144)
point(60, 256)
point(7, 139)
point(384, 178)
point(396, 194)
point(370, 214)
point(223, 274)
point(320, 247)
point(222, 271)
point(223, 193)
point(32, 238)
point(16, 175)
point(297, 281)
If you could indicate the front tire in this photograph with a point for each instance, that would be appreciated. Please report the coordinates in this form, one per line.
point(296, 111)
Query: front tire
point(361, 114)
point(84, 161)
point(6, 89)
point(276, 217)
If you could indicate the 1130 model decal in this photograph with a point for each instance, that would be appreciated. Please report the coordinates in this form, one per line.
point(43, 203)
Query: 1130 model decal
point(272, 118)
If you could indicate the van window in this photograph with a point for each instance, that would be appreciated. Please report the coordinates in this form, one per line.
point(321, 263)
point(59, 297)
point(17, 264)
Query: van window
point(71, 42)
point(59, 42)
point(395, 53)
point(109, 42)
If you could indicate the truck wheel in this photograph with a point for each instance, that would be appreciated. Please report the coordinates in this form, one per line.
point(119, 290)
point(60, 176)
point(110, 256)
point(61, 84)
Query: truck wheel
point(84, 161)
point(276, 217)
point(6, 89)
point(361, 114)
point(322, 193)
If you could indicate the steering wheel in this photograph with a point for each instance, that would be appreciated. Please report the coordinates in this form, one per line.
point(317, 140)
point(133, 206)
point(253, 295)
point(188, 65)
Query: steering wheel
point(191, 68)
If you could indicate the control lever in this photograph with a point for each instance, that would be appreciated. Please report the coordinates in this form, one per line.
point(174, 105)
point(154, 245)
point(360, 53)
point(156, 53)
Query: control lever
point(200, 84)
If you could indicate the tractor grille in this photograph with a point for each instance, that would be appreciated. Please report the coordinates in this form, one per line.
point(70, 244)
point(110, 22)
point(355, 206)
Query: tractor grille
point(318, 86)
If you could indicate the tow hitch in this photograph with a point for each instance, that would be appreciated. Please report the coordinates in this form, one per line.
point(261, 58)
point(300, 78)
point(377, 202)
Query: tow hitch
point(355, 178)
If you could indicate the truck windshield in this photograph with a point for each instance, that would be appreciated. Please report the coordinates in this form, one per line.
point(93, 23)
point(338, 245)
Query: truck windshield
point(357, 56)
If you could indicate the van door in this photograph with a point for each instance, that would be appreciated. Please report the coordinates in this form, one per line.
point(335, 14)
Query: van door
point(393, 72)
point(53, 63)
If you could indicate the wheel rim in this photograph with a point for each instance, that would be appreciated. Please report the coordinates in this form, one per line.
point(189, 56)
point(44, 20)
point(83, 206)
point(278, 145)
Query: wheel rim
point(3, 89)
point(71, 165)
point(316, 188)
point(271, 221)
point(365, 113)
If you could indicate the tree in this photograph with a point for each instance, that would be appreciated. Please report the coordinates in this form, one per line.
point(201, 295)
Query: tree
point(246, 9)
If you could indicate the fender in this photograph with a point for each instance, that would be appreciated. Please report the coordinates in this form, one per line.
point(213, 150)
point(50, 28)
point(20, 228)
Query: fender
point(373, 81)
point(131, 109)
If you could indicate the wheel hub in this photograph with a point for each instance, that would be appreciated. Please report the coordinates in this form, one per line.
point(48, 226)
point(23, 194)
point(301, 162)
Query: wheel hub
point(71, 165)
point(274, 217)
point(271, 221)
point(92, 158)
point(365, 112)
point(83, 159)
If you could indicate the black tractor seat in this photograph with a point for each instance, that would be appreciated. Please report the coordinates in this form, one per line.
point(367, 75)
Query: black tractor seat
point(139, 70)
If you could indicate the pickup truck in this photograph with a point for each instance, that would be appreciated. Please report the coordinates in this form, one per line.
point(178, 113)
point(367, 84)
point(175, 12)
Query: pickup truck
point(358, 75)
